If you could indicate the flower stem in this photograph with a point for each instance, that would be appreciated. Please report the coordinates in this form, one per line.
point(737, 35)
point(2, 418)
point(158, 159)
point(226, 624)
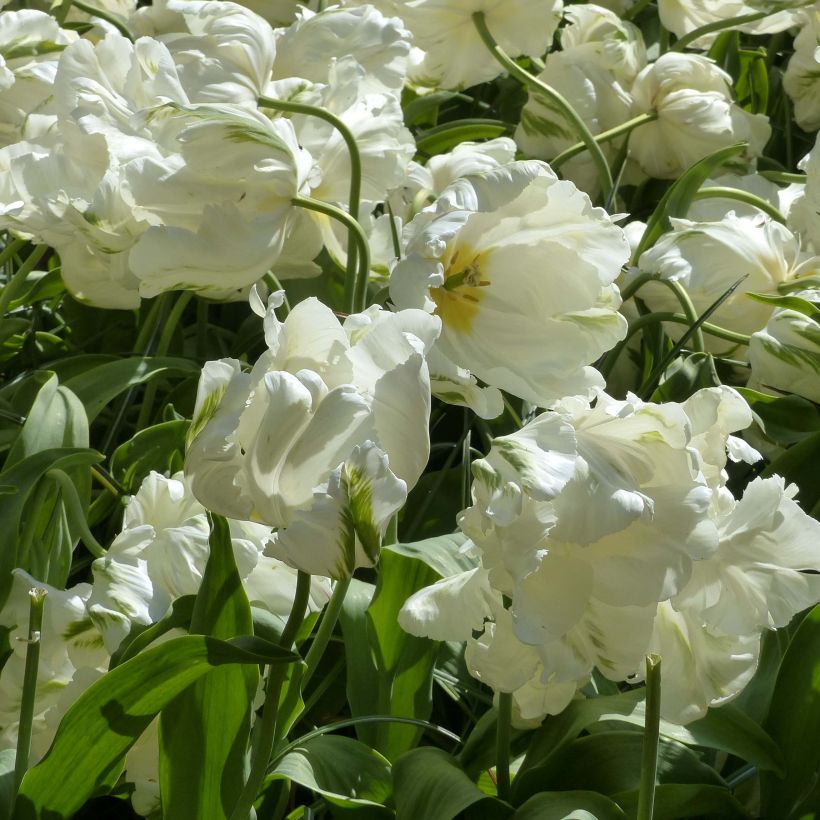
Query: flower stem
point(718, 25)
point(325, 630)
point(632, 13)
point(351, 280)
point(502, 745)
point(162, 348)
point(35, 624)
point(605, 136)
point(649, 761)
point(75, 512)
point(718, 192)
point(273, 690)
point(359, 299)
point(556, 100)
point(93, 11)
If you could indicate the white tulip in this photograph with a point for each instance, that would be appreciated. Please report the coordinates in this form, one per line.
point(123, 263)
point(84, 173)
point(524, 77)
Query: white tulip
point(801, 77)
point(477, 260)
point(696, 115)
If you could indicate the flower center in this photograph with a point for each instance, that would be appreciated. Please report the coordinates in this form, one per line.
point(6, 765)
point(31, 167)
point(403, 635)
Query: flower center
point(457, 300)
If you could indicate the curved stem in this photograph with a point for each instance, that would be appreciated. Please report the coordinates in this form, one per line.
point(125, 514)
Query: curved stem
point(20, 275)
point(359, 300)
point(651, 737)
point(604, 136)
point(355, 181)
point(75, 512)
point(35, 624)
point(273, 690)
point(93, 11)
point(681, 295)
point(556, 100)
point(325, 630)
point(719, 192)
point(502, 745)
point(784, 177)
point(718, 25)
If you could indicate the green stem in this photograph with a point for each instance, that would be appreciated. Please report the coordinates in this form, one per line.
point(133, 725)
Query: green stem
point(164, 343)
point(325, 630)
point(35, 625)
point(273, 691)
point(355, 196)
point(93, 11)
point(681, 295)
point(11, 247)
point(718, 192)
point(649, 761)
point(604, 136)
point(74, 510)
point(7, 294)
point(357, 234)
point(553, 98)
point(718, 25)
point(502, 745)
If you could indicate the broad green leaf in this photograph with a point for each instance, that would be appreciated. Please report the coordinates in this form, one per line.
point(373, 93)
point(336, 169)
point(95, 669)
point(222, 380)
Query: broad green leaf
point(569, 805)
point(428, 783)
point(726, 729)
point(794, 722)
point(16, 486)
point(799, 465)
point(204, 731)
point(676, 801)
point(784, 419)
point(111, 714)
point(98, 386)
point(404, 663)
point(160, 448)
point(609, 763)
point(56, 419)
point(344, 771)
point(678, 198)
point(362, 684)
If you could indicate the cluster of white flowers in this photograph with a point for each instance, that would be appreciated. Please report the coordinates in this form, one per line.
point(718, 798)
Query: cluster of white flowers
point(606, 532)
point(603, 530)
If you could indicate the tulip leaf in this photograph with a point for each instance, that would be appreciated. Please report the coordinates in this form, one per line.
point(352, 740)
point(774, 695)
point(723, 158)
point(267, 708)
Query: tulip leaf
point(403, 663)
point(794, 723)
point(56, 419)
point(569, 805)
point(480, 748)
point(784, 419)
point(609, 763)
point(362, 684)
point(674, 801)
point(344, 771)
point(97, 386)
point(7, 757)
point(429, 783)
point(21, 480)
point(204, 731)
point(678, 198)
point(160, 448)
point(795, 303)
point(726, 729)
point(110, 715)
point(686, 376)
